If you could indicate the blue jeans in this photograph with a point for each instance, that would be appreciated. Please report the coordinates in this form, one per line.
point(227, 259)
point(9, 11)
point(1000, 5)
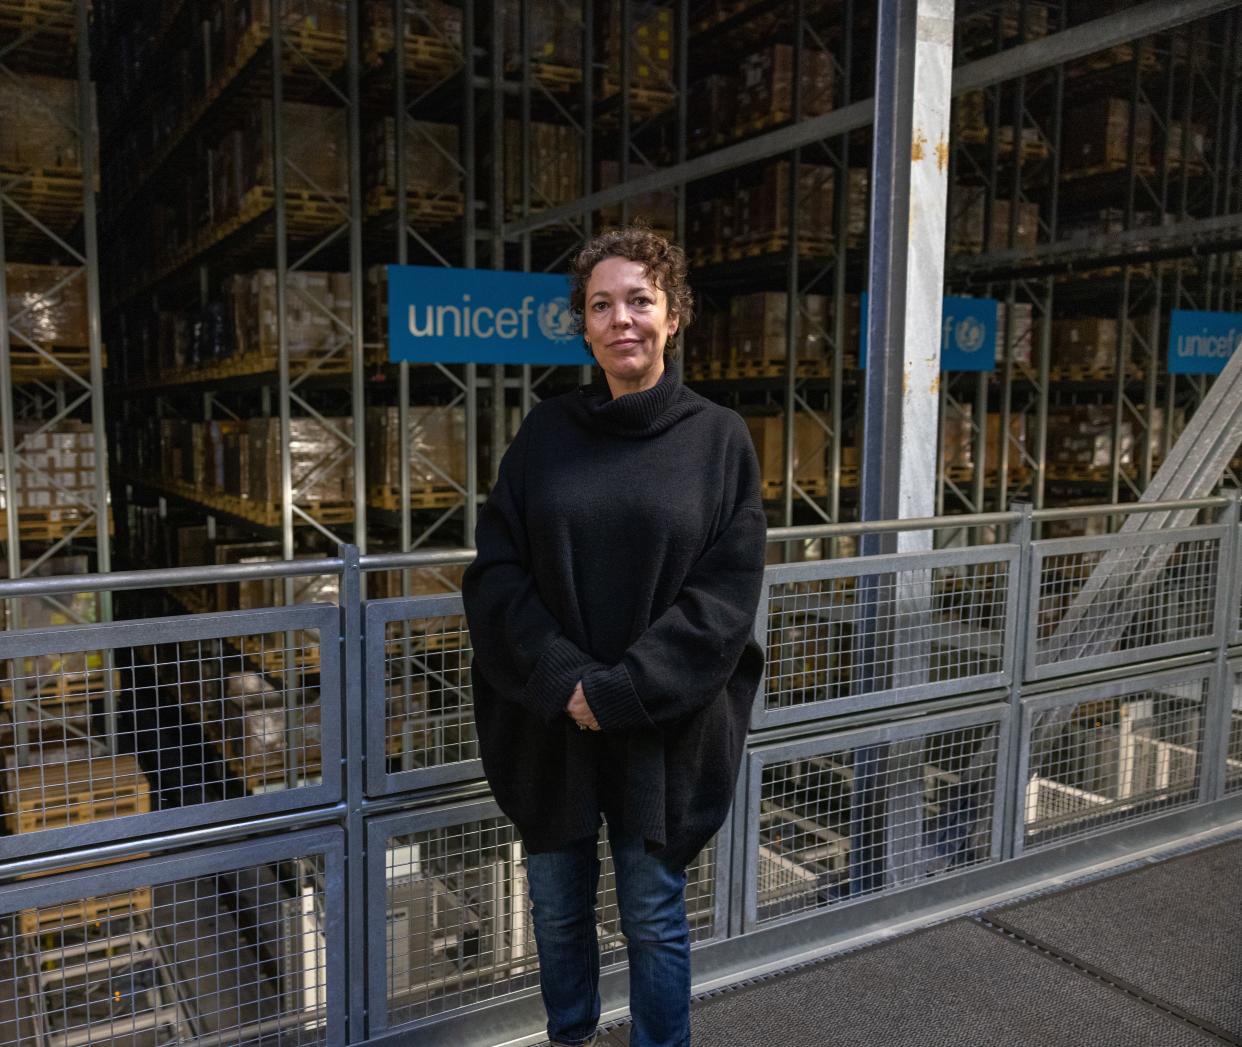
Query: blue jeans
point(652, 898)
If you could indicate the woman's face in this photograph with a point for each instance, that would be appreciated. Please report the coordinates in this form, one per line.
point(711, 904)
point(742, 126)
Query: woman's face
point(627, 323)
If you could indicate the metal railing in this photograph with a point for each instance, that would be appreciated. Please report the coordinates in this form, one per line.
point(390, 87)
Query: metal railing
point(212, 818)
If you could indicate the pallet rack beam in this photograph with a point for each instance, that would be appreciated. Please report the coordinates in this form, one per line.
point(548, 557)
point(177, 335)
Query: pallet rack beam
point(1107, 31)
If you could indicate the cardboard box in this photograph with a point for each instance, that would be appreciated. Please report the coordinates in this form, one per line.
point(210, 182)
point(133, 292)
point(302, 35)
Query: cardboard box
point(322, 465)
point(1089, 342)
point(554, 35)
point(711, 109)
point(757, 327)
point(658, 209)
point(764, 208)
point(38, 115)
point(651, 42)
point(46, 304)
point(765, 92)
point(437, 442)
point(316, 146)
point(431, 154)
point(810, 443)
point(1096, 133)
point(555, 165)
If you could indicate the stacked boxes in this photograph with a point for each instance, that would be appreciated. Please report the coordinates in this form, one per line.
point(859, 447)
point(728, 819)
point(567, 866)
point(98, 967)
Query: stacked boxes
point(756, 328)
point(322, 470)
point(651, 45)
point(555, 165)
point(1089, 343)
point(46, 304)
point(432, 19)
point(430, 158)
point(763, 209)
point(1095, 136)
point(56, 470)
point(1021, 335)
point(1082, 438)
point(316, 147)
point(242, 459)
point(967, 222)
point(1195, 144)
point(38, 114)
point(658, 209)
point(711, 110)
point(765, 94)
point(554, 37)
point(810, 443)
point(437, 442)
point(318, 309)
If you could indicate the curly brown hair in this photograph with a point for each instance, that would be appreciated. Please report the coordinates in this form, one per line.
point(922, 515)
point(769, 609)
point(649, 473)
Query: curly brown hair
point(660, 258)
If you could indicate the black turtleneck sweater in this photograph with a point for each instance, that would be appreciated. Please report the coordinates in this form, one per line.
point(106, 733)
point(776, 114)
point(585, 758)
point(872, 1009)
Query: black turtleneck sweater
point(623, 546)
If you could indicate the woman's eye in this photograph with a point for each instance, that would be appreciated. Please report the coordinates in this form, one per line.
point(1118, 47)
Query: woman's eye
point(599, 307)
point(643, 301)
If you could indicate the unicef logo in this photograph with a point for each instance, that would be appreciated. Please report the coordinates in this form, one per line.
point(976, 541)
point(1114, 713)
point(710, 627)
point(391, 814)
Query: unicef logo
point(556, 320)
point(970, 335)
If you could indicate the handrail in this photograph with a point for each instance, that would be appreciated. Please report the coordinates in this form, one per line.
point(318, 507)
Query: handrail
point(172, 577)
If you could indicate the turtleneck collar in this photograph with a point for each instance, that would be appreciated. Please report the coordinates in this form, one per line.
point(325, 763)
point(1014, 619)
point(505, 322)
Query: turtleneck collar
point(643, 413)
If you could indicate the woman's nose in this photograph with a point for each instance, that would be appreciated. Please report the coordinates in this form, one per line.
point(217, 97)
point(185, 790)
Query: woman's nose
point(620, 315)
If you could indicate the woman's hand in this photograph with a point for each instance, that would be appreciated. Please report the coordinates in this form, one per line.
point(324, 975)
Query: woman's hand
point(580, 712)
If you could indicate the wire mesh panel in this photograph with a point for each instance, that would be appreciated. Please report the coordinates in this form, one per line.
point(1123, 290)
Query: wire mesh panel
point(865, 633)
point(1236, 600)
point(1100, 757)
point(856, 813)
point(451, 893)
point(420, 713)
point(176, 720)
point(225, 948)
point(1099, 602)
point(1233, 750)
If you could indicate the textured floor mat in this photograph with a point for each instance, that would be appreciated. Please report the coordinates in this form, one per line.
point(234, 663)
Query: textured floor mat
point(1172, 932)
point(957, 985)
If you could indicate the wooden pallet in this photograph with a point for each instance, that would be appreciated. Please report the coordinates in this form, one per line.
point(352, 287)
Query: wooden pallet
point(260, 361)
point(52, 195)
point(51, 525)
point(53, 919)
point(1075, 373)
point(1077, 473)
point(60, 689)
point(814, 486)
point(556, 77)
point(267, 655)
point(1120, 54)
point(769, 244)
point(54, 796)
point(422, 496)
point(776, 369)
point(265, 514)
point(645, 100)
point(423, 210)
point(428, 60)
point(46, 16)
point(31, 366)
point(1107, 167)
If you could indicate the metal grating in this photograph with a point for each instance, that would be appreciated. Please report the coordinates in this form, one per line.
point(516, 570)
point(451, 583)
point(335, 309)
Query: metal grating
point(853, 815)
point(459, 929)
point(1097, 599)
point(429, 717)
point(237, 957)
point(217, 709)
point(1233, 752)
point(1095, 762)
point(849, 638)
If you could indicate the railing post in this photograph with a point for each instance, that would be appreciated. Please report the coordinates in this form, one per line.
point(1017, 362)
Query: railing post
point(1218, 707)
point(353, 736)
point(1023, 634)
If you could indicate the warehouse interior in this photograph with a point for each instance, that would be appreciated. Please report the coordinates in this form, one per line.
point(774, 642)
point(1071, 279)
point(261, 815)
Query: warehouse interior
point(198, 203)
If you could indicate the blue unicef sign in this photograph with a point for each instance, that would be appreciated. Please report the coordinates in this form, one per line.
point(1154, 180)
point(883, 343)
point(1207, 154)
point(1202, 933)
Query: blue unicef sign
point(452, 316)
point(967, 334)
point(1202, 343)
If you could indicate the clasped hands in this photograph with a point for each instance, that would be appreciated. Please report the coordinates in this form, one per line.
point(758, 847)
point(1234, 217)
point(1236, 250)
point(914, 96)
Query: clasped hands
point(580, 712)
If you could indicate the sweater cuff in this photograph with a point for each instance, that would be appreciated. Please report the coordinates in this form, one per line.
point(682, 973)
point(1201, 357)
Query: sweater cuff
point(551, 683)
point(610, 694)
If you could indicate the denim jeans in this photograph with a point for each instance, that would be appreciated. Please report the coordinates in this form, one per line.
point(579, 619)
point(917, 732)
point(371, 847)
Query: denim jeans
point(652, 898)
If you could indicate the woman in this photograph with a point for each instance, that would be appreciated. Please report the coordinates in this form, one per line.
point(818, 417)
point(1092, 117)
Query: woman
point(611, 606)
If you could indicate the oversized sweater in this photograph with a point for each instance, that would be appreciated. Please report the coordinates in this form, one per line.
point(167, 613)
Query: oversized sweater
point(623, 546)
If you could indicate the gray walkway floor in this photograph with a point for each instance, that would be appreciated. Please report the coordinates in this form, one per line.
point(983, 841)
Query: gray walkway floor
point(1151, 956)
